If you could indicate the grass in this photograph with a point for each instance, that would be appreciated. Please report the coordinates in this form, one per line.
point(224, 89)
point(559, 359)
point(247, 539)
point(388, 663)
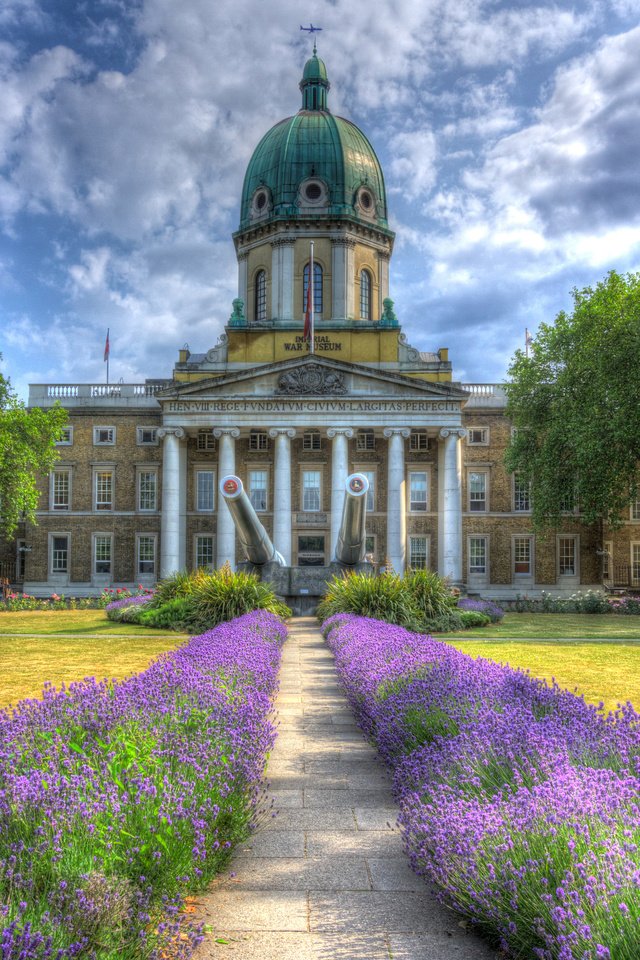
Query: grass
point(556, 626)
point(29, 661)
point(600, 671)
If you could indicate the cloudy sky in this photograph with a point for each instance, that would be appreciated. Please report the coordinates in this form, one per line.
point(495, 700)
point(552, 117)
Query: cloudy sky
point(509, 133)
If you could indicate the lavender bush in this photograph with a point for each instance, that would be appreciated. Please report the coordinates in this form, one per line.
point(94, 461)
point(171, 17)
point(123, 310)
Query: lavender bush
point(119, 798)
point(518, 799)
point(488, 607)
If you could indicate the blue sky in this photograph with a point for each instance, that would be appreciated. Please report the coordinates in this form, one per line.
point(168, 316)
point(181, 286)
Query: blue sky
point(509, 134)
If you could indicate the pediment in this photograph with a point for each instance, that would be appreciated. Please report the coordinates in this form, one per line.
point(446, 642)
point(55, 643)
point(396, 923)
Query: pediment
point(312, 377)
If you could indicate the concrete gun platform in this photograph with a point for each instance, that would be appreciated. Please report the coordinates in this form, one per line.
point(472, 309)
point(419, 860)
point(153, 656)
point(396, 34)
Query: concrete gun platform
point(326, 878)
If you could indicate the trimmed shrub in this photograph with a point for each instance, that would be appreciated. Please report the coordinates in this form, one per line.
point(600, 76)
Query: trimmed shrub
point(473, 618)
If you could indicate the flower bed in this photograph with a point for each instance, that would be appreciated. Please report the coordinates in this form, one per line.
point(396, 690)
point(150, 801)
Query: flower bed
point(24, 601)
point(518, 799)
point(118, 799)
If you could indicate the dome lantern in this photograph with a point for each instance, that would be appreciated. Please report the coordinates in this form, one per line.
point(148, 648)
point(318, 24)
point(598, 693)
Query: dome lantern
point(314, 84)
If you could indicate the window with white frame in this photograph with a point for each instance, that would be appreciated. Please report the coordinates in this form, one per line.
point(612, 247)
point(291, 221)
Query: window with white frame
point(65, 438)
point(258, 489)
point(59, 553)
point(478, 436)
point(477, 556)
point(567, 556)
point(607, 560)
point(635, 564)
point(311, 440)
point(418, 491)
point(418, 552)
point(635, 509)
point(523, 556)
point(205, 491)
point(311, 490)
point(365, 440)
point(146, 555)
point(521, 494)
point(146, 436)
point(258, 440)
point(371, 492)
point(103, 487)
point(147, 490)
point(205, 440)
point(104, 436)
point(61, 489)
point(102, 553)
point(477, 491)
point(419, 440)
point(204, 551)
point(365, 295)
point(568, 501)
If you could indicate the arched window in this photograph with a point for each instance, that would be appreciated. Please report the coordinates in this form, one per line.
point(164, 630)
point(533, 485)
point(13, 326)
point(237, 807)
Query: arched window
point(365, 295)
point(317, 287)
point(260, 312)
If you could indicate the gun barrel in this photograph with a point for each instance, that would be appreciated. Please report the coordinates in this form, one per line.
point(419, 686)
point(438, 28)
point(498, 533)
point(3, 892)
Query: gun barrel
point(350, 546)
point(253, 536)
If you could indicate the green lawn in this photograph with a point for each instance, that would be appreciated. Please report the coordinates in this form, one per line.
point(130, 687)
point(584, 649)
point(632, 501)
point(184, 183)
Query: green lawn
point(89, 647)
point(557, 626)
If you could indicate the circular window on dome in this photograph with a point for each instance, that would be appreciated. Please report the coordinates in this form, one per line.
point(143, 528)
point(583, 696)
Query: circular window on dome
point(366, 203)
point(312, 193)
point(261, 203)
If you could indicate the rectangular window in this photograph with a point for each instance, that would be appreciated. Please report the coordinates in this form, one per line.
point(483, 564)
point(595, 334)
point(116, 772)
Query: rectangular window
point(61, 490)
point(311, 440)
point(371, 492)
point(65, 438)
point(521, 494)
point(258, 440)
point(204, 552)
point(522, 559)
point(310, 550)
point(477, 492)
point(147, 490)
point(418, 553)
point(258, 489)
point(104, 436)
point(418, 491)
point(206, 440)
point(146, 555)
point(568, 502)
point(477, 556)
point(59, 554)
point(478, 436)
point(365, 440)
point(102, 553)
point(104, 490)
point(419, 440)
point(607, 560)
point(635, 564)
point(635, 509)
point(311, 491)
point(146, 436)
point(205, 491)
point(567, 557)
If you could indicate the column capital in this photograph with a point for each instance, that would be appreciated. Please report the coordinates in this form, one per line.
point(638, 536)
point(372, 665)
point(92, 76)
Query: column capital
point(403, 432)
point(283, 241)
point(226, 432)
point(340, 432)
point(459, 432)
point(177, 432)
point(343, 242)
point(282, 432)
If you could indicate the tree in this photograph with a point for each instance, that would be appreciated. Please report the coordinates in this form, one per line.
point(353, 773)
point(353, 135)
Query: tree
point(27, 449)
point(575, 403)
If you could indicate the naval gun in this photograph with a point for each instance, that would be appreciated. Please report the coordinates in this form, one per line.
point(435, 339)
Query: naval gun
point(350, 545)
point(253, 536)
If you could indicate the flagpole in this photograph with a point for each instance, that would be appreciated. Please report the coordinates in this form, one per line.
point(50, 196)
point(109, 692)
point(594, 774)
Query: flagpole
point(106, 354)
point(312, 281)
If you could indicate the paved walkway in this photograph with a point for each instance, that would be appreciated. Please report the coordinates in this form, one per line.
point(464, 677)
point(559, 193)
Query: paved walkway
point(327, 878)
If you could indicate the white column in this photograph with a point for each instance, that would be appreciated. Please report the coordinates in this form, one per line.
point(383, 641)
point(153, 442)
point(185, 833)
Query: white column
point(450, 496)
point(282, 491)
point(282, 278)
point(226, 538)
point(383, 280)
point(339, 473)
point(172, 482)
point(342, 279)
point(396, 498)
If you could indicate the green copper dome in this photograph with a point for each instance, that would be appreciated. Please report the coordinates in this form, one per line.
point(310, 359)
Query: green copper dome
point(314, 165)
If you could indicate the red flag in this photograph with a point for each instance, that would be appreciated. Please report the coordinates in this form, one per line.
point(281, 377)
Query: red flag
point(106, 348)
point(307, 317)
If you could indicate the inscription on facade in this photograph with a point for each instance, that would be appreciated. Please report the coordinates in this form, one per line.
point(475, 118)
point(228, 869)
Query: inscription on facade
point(321, 344)
point(312, 406)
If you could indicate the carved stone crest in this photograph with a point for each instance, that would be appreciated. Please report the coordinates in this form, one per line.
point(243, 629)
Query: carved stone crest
point(311, 380)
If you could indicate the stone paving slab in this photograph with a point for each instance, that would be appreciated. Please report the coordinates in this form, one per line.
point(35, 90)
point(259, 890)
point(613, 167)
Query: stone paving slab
point(326, 878)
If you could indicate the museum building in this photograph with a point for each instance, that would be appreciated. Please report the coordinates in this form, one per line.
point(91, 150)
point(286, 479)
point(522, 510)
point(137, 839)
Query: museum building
point(134, 495)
